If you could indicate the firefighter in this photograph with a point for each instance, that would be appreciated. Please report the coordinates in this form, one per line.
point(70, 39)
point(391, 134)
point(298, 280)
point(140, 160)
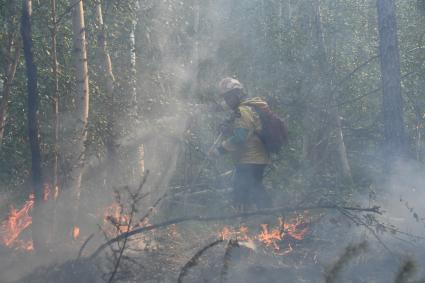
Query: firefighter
point(240, 140)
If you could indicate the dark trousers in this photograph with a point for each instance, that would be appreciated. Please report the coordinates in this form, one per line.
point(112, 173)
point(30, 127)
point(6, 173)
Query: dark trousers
point(248, 189)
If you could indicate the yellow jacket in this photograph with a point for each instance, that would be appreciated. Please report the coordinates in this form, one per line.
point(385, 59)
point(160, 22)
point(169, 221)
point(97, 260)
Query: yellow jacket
point(244, 144)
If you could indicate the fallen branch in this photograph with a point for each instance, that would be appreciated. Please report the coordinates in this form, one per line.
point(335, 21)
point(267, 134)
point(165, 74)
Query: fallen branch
point(406, 271)
point(270, 211)
point(360, 222)
point(350, 252)
point(194, 260)
point(80, 252)
point(226, 259)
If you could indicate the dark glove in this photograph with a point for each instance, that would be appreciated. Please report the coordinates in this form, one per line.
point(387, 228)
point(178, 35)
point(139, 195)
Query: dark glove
point(225, 128)
point(215, 152)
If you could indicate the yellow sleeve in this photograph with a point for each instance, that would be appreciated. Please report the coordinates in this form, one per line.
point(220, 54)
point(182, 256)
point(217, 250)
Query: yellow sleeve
point(242, 127)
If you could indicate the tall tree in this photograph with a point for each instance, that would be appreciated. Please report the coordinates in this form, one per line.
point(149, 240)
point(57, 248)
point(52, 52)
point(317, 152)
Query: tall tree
point(133, 56)
point(81, 102)
point(109, 79)
point(55, 96)
point(33, 126)
point(326, 139)
point(12, 59)
point(12, 52)
point(394, 132)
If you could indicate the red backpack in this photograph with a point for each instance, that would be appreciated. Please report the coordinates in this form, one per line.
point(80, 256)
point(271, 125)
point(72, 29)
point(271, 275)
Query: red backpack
point(274, 132)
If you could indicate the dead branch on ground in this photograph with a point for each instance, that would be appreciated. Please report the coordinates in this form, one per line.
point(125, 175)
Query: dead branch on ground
point(194, 260)
point(407, 271)
point(226, 259)
point(350, 252)
point(270, 211)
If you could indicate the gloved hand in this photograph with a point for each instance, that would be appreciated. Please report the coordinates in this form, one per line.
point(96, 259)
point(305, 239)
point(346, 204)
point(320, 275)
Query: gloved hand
point(213, 153)
point(216, 151)
point(225, 128)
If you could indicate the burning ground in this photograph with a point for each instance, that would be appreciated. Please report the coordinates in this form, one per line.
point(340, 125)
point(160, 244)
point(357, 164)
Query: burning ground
point(326, 243)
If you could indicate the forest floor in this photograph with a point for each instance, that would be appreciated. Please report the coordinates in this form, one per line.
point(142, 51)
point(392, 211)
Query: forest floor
point(173, 254)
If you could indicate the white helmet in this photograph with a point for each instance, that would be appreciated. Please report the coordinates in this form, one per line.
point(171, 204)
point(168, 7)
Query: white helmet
point(228, 84)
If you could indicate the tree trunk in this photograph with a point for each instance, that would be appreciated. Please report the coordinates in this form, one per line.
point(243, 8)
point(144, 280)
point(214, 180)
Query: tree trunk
point(51, 207)
point(81, 102)
point(55, 98)
point(12, 63)
point(133, 80)
point(106, 63)
point(36, 174)
point(394, 132)
point(331, 132)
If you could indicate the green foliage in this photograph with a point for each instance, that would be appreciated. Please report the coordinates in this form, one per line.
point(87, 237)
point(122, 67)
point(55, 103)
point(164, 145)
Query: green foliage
point(184, 48)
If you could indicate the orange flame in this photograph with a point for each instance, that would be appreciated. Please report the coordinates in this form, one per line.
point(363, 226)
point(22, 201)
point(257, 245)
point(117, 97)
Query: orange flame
point(242, 234)
point(17, 221)
point(294, 228)
point(271, 237)
point(116, 221)
point(56, 193)
point(46, 192)
point(75, 232)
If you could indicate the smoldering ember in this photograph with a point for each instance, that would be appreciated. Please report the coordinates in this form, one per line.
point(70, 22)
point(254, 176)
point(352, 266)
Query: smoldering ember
point(212, 141)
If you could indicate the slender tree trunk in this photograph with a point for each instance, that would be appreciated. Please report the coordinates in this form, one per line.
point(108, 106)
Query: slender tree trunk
point(394, 132)
point(81, 102)
point(134, 107)
point(55, 125)
point(55, 98)
point(36, 174)
point(12, 63)
point(110, 82)
point(341, 151)
point(324, 74)
point(133, 80)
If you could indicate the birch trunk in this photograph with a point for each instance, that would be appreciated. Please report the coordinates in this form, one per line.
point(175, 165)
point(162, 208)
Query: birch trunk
point(133, 80)
point(55, 98)
point(106, 64)
point(81, 102)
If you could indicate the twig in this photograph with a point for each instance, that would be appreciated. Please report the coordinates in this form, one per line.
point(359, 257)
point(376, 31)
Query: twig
point(350, 252)
point(107, 239)
point(80, 252)
point(194, 260)
point(67, 11)
point(271, 211)
point(133, 210)
point(407, 270)
point(349, 75)
point(226, 259)
point(362, 223)
point(147, 214)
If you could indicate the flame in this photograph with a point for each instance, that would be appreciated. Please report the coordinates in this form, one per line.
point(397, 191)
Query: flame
point(75, 232)
point(273, 237)
point(113, 215)
point(116, 221)
point(270, 238)
point(46, 192)
point(56, 193)
point(17, 221)
point(241, 234)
